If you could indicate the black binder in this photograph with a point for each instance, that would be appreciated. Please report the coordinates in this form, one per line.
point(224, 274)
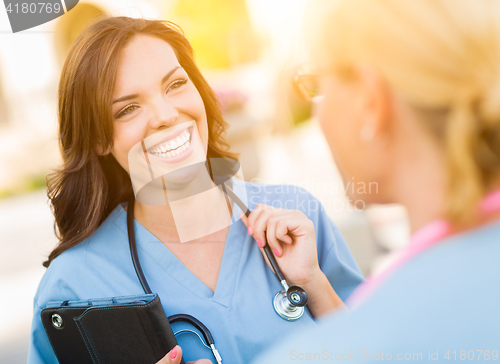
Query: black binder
point(124, 330)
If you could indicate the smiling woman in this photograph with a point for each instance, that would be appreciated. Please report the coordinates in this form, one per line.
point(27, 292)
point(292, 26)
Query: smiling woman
point(136, 115)
point(91, 178)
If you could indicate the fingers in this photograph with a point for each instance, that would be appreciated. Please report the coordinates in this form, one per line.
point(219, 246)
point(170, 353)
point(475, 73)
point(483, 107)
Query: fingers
point(269, 225)
point(252, 218)
point(244, 218)
point(277, 232)
point(262, 223)
point(174, 356)
point(282, 232)
point(283, 229)
point(259, 225)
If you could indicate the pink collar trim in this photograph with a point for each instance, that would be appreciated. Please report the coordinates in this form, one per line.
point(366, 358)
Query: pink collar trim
point(424, 238)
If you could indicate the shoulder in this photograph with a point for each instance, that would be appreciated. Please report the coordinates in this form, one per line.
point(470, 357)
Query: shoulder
point(465, 257)
point(76, 267)
point(284, 196)
point(462, 263)
point(106, 240)
point(445, 281)
point(443, 300)
point(275, 191)
point(445, 296)
point(290, 197)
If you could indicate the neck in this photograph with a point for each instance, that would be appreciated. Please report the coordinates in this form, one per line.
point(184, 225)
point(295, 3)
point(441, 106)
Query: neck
point(423, 204)
point(427, 199)
point(491, 208)
point(184, 209)
point(417, 178)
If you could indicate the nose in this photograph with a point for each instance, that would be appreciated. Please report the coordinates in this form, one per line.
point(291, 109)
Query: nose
point(164, 114)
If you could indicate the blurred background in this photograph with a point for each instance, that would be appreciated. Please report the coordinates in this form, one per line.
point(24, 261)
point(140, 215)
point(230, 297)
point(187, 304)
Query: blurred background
point(249, 51)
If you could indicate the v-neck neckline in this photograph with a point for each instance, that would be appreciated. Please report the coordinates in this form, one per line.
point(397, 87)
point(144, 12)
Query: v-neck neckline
point(226, 281)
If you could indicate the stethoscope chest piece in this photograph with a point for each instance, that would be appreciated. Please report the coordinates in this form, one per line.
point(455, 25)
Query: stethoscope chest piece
point(286, 310)
point(288, 303)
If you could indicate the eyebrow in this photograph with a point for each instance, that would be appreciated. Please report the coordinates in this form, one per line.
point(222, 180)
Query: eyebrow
point(163, 80)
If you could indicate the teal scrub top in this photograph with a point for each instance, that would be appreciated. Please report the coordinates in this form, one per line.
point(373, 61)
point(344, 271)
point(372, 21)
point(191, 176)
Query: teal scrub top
point(441, 306)
point(240, 314)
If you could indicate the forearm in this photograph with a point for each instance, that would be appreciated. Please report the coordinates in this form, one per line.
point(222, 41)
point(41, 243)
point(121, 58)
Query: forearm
point(322, 298)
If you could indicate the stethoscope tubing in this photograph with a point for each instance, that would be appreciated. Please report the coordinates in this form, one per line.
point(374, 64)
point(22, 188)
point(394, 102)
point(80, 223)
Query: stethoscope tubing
point(145, 286)
point(133, 248)
point(185, 317)
point(288, 303)
point(267, 248)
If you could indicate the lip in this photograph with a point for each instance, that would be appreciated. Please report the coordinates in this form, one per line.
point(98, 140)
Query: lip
point(170, 137)
point(178, 158)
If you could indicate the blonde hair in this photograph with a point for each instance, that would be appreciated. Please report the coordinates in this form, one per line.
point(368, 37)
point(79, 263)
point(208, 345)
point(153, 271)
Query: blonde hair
point(443, 57)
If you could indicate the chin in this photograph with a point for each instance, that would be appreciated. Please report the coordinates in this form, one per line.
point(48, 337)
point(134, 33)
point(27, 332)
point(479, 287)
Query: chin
point(182, 177)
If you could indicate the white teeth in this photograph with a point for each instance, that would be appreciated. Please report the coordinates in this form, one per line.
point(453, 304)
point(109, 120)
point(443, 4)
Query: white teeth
point(180, 144)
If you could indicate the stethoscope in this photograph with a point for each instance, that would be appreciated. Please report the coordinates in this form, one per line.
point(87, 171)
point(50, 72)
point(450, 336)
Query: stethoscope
point(288, 303)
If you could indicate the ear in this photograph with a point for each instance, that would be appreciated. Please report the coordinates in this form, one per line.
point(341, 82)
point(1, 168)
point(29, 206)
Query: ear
point(100, 150)
point(375, 105)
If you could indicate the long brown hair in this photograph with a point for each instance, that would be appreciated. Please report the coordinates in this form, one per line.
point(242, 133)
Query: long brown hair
point(89, 186)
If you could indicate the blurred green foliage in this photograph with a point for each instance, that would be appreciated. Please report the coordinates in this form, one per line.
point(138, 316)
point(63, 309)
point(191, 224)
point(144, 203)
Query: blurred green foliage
point(300, 111)
point(219, 31)
point(30, 183)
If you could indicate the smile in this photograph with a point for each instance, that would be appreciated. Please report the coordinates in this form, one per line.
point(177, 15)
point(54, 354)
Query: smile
point(173, 147)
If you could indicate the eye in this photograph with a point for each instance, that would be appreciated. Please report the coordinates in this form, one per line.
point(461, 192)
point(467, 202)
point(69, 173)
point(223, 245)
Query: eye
point(125, 111)
point(177, 84)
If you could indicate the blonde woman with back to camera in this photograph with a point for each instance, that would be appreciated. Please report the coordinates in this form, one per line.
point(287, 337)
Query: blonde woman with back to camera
point(412, 102)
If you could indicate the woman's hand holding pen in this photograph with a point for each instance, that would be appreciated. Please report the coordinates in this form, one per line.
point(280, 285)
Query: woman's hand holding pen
point(174, 356)
point(291, 236)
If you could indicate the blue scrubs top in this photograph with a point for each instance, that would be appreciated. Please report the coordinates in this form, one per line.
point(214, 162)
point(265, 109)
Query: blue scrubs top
point(441, 306)
point(240, 314)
